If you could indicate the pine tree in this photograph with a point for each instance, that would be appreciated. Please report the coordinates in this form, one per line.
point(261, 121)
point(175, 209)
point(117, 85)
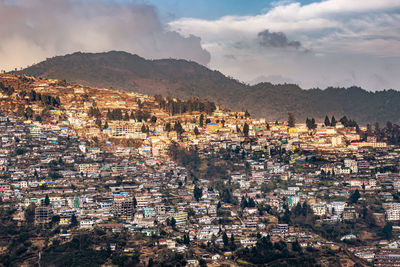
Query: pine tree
point(74, 221)
point(333, 121)
point(47, 200)
point(246, 129)
point(197, 193)
point(201, 121)
point(186, 239)
point(327, 122)
point(173, 222)
point(313, 124)
point(168, 127)
point(308, 124)
point(355, 196)
point(232, 243)
point(134, 202)
point(225, 239)
point(126, 116)
point(387, 231)
point(196, 131)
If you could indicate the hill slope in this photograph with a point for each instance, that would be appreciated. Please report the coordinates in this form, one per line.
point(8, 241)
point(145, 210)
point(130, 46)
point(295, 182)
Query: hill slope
point(181, 78)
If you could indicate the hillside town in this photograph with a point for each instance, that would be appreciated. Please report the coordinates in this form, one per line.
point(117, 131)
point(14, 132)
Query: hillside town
point(189, 180)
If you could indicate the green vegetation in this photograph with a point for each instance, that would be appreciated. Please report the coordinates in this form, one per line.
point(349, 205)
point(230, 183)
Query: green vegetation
point(8, 90)
point(279, 253)
point(45, 99)
point(179, 106)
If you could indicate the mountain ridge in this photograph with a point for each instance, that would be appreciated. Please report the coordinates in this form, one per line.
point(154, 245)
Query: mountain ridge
point(181, 78)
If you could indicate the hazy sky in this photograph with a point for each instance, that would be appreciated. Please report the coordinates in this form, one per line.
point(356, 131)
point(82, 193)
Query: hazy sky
point(312, 43)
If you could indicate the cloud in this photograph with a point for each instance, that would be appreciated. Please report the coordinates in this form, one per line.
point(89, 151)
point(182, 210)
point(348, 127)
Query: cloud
point(352, 42)
point(36, 29)
point(276, 40)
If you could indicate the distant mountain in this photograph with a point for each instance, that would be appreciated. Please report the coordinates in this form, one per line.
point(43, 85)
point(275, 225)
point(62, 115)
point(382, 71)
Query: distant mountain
point(181, 78)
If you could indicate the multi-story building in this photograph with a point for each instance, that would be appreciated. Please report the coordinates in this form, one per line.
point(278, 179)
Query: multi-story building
point(123, 207)
point(43, 214)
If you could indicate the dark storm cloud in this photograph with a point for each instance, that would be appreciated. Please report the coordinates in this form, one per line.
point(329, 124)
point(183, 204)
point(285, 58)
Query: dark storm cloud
point(36, 29)
point(276, 40)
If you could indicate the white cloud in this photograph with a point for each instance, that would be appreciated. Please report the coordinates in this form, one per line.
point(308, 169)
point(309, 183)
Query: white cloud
point(35, 29)
point(351, 42)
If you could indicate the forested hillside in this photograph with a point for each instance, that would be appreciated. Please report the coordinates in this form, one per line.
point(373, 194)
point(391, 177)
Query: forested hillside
point(184, 79)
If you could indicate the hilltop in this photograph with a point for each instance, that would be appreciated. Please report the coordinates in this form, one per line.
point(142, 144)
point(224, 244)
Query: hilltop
point(184, 79)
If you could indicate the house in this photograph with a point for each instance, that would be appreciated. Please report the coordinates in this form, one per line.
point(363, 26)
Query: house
point(86, 223)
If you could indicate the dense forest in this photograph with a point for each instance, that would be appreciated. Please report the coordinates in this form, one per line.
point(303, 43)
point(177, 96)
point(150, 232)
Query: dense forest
point(184, 79)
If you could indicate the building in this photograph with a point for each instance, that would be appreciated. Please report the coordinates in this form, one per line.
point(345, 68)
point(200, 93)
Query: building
point(123, 207)
point(393, 214)
point(349, 214)
point(319, 209)
point(89, 169)
point(43, 214)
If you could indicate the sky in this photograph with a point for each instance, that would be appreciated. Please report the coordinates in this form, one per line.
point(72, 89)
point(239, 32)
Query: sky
point(313, 43)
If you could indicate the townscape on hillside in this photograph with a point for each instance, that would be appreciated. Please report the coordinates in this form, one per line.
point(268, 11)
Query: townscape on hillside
point(93, 176)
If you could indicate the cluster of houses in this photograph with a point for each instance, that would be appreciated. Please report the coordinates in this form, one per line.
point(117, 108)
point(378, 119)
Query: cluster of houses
point(88, 173)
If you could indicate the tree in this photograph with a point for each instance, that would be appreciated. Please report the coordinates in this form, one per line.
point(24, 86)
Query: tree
point(243, 203)
point(135, 257)
point(30, 213)
point(47, 200)
point(196, 131)
point(310, 123)
point(126, 116)
point(143, 129)
point(296, 246)
point(197, 192)
point(134, 202)
point(201, 121)
point(313, 124)
point(98, 123)
point(246, 129)
point(74, 221)
point(333, 121)
point(387, 231)
point(202, 263)
point(29, 113)
point(168, 127)
point(225, 239)
point(286, 217)
point(355, 196)
point(327, 122)
point(232, 243)
point(291, 120)
point(186, 239)
point(247, 114)
point(173, 222)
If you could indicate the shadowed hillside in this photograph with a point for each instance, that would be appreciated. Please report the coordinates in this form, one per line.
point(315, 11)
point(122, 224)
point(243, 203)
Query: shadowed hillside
point(181, 78)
